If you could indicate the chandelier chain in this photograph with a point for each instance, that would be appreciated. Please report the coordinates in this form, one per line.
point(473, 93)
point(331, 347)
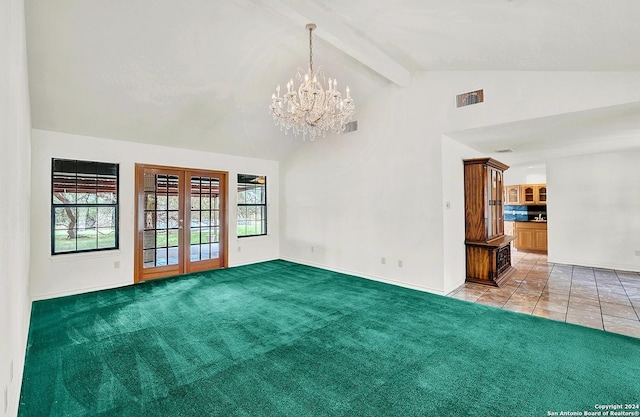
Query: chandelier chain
point(310, 48)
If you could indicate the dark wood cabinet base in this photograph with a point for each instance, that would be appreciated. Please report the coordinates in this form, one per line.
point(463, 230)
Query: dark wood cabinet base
point(489, 262)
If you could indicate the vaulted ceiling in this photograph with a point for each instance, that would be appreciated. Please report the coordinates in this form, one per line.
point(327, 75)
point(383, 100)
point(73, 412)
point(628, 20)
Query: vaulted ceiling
point(199, 73)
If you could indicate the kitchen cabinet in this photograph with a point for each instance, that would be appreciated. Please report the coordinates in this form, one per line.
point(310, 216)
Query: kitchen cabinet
point(531, 236)
point(533, 194)
point(512, 195)
point(488, 249)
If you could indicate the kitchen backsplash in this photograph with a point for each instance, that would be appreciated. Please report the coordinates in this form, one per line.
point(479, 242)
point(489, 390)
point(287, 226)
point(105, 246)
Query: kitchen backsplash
point(524, 213)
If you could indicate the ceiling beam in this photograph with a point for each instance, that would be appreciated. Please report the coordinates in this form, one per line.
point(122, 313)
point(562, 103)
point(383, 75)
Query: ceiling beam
point(342, 37)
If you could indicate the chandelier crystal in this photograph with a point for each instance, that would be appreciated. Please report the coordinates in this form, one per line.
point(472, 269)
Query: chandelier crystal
point(311, 110)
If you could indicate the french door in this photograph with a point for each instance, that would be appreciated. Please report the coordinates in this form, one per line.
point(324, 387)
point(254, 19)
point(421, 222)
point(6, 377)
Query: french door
point(181, 222)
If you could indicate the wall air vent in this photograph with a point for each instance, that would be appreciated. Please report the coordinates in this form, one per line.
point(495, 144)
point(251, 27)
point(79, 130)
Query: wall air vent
point(467, 99)
point(351, 126)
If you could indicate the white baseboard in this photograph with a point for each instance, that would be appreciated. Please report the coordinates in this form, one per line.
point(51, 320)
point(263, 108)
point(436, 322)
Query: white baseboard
point(367, 276)
point(76, 291)
point(590, 264)
point(253, 261)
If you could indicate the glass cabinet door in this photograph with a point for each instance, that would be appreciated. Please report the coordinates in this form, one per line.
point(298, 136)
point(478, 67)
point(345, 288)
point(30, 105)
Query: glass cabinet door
point(513, 195)
point(494, 210)
point(528, 195)
point(542, 195)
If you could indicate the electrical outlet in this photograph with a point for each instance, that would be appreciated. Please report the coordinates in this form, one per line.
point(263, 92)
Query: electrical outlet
point(383, 260)
point(448, 204)
point(239, 248)
point(116, 264)
point(312, 248)
point(399, 264)
point(638, 253)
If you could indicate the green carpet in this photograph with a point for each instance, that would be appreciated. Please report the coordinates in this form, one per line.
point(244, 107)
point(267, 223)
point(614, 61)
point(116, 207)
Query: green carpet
point(283, 339)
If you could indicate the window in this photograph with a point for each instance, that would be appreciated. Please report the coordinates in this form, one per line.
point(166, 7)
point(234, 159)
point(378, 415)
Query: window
point(473, 97)
point(252, 205)
point(84, 206)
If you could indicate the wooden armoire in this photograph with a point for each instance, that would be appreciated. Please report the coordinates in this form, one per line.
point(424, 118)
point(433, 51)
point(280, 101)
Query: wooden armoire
point(488, 249)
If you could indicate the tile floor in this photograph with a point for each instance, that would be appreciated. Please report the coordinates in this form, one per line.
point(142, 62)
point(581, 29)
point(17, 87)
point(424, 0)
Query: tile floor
point(600, 298)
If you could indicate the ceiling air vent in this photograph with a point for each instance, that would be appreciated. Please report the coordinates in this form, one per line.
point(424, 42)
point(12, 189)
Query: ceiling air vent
point(503, 150)
point(467, 99)
point(351, 126)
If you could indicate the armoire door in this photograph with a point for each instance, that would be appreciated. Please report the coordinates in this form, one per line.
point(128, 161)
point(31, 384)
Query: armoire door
point(180, 221)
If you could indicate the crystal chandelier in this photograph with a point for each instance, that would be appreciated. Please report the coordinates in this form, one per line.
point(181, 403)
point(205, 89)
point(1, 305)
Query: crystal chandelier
point(312, 110)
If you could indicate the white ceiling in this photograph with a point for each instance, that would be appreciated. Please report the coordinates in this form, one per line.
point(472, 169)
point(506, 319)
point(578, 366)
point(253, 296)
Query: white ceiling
point(191, 73)
point(607, 129)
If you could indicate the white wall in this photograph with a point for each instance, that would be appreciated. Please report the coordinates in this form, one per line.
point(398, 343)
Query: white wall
point(74, 273)
point(380, 192)
point(375, 193)
point(535, 173)
point(593, 214)
point(454, 266)
point(14, 210)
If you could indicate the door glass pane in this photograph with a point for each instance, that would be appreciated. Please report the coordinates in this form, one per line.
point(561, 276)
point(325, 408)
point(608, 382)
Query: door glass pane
point(195, 218)
point(161, 238)
point(195, 203)
point(205, 218)
point(204, 211)
point(206, 202)
point(149, 257)
point(161, 220)
point(149, 239)
point(173, 238)
point(162, 202)
point(149, 200)
point(174, 218)
point(206, 251)
point(195, 253)
point(149, 220)
point(173, 255)
point(161, 257)
point(173, 202)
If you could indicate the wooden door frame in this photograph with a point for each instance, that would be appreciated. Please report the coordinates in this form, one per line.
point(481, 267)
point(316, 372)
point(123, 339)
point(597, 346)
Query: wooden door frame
point(167, 270)
point(224, 224)
point(138, 231)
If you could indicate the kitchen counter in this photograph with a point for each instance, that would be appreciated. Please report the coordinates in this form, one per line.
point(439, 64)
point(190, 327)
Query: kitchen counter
point(530, 235)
